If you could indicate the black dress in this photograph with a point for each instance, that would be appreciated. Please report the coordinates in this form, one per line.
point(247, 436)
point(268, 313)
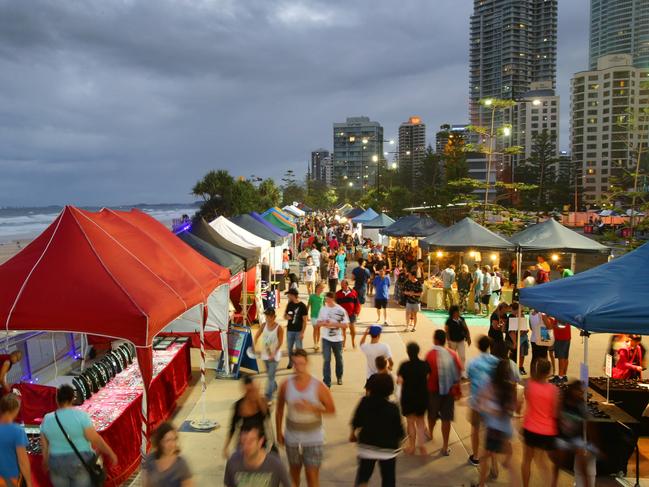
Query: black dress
point(414, 390)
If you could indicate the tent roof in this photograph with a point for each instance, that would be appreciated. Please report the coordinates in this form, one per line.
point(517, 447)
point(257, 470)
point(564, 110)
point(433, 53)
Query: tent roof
point(552, 235)
point(399, 225)
point(353, 212)
point(366, 216)
point(204, 231)
point(278, 221)
point(109, 273)
point(467, 234)
point(253, 226)
point(380, 221)
point(345, 207)
point(222, 257)
point(288, 217)
point(608, 298)
point(293, 210)
point(239, 235)
point(305, 208)
point(413, 226)
point(276, 230)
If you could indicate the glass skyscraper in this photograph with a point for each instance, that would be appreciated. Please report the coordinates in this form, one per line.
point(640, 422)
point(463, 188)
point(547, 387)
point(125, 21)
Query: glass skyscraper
point(619, 27)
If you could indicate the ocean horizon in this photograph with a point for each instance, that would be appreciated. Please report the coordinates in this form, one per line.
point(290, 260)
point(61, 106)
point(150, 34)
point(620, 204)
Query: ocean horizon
point(25, 223)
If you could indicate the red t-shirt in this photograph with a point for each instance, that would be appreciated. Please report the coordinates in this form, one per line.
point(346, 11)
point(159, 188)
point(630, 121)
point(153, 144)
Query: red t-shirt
point(562, 331)
point(433, 377)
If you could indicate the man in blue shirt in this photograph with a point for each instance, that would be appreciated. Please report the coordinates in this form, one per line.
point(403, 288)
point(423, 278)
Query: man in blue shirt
point(14, 462)
point(361, 277)
point(381, 292)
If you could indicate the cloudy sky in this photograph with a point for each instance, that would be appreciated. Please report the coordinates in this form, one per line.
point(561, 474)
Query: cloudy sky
point(128, 101)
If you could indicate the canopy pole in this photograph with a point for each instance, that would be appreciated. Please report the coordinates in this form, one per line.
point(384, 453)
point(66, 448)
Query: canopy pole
point(573, 262)
point(203, 423)
point(585, 334)
point(519, 312)
point(244, 308)
point(83, 352)
point(145, 422)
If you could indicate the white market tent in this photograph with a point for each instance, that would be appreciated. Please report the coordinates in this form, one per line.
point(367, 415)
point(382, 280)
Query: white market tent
point(294, 210)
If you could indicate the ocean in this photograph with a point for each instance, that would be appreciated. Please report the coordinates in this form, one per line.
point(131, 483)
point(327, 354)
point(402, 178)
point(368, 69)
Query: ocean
point(27, 223)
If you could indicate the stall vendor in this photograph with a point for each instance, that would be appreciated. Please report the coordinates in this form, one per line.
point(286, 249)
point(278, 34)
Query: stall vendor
point(6, 362)
point(629, 362)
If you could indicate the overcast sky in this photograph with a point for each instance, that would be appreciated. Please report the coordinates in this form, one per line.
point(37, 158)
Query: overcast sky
point(128, 101)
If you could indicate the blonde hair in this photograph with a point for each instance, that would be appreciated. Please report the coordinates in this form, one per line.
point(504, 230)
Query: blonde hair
point(464, 268)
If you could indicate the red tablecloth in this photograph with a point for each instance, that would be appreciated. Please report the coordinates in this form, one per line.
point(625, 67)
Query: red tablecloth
point(124, 434)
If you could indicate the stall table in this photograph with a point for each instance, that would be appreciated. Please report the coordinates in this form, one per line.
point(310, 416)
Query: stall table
point(632, 400)
point(120, 424)
point(433, 297)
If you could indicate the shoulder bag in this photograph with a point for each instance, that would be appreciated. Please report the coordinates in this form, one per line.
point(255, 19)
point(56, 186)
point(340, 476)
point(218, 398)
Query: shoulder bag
point(95, 470)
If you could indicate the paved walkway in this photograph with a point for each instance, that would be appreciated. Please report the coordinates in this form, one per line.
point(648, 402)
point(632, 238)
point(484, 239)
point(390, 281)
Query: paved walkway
point(204, 450)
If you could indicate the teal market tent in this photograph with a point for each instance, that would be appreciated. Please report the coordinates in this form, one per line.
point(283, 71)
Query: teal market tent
point(552, 235)
point(379, 222)
point(465, 235)
point(610, 298)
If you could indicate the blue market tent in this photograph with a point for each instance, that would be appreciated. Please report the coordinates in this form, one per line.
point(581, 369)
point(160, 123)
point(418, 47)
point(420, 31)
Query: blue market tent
point(400, 225)
point(366, 216)
point(354, 212)
point(379, 222)
point(609, 298)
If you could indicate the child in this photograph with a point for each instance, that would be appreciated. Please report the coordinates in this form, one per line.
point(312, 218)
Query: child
point(292, 279)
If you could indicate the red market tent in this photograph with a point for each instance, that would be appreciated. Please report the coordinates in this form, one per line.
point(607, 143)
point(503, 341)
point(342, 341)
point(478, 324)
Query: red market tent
point(114, 274)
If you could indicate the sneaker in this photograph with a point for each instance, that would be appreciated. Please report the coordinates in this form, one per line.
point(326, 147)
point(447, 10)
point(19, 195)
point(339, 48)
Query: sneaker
point(564, 378)
point(522, 371)
point(474, 461)
point(340, 382)
point(385, 323)
point(446, 453)
point(289, 366)
point(555, 380)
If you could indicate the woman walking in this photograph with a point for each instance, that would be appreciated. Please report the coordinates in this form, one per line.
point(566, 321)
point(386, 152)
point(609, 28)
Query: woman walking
point(272, 337)
point(332, 274)
point(497, 403)
point(540, 420)
point(412, 376)
point(251, 408)
point(464, 281)
point(341, 260)
point(377, 428)
point(164, 467)
point(68, 437)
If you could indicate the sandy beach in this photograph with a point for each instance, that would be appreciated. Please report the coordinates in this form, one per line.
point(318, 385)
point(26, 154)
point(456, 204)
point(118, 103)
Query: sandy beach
point(9, 249)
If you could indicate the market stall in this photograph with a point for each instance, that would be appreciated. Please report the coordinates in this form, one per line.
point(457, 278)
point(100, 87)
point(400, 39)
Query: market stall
point(278, 244)
point(114, 274)
point(294, 211)
point(610, 298)
point(469, 241)
point(373, 228)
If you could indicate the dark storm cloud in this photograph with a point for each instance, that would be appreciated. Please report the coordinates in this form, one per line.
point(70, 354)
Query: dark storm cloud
point(106, 102)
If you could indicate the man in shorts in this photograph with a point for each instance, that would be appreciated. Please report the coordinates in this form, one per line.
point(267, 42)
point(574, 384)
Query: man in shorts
point(382, 293)
point(306, 400)
point(562, 351)
point(445, 373)
point(361, 276)
point(412, 290)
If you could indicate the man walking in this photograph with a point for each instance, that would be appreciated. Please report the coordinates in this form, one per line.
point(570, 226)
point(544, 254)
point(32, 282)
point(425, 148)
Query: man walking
point(361, 276)
point(296, 315)
point(348, 299)
point(448, 278)
point(562, 350)
point(412, 290)
point(477, 289)
point(375, 349)
point(252, 464)
point(306, 400)
point(333, 320)
point(382, 292)
point(445, 371)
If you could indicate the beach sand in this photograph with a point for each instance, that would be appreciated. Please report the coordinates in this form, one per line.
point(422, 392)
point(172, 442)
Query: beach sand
point(9, 249)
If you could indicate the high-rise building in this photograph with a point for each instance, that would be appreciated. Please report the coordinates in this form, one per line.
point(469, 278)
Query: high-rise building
point(538, 110)
point(412, 148)
point(445, 131)
point(619, 27)
point(358, 147)
point(603, 102)
point(513, 44)
point(321, 166)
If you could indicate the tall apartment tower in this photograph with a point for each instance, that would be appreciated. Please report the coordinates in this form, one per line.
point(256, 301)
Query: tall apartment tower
point(358, 147)
point(601, 138)
point(619, 27)
point(513, 44)
point(537, 111)
point(412, 148)
point(321, 166)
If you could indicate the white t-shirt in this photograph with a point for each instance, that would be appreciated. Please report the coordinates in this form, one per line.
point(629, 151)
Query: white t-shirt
point(373, 350)
point(541, 335)
point(337, 314)
point(309, 272)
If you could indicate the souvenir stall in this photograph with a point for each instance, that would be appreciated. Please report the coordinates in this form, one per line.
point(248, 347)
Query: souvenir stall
point(469, 243)
point(405, 234)
point(610, 298)
point(372, 229)
point(113, 274)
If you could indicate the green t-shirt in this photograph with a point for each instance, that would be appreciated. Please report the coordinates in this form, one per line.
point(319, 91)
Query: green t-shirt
point(567, 273)
point(315, 303)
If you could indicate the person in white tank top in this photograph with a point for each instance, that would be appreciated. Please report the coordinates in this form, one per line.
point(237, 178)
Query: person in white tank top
point(270, 337)
point(306, 400)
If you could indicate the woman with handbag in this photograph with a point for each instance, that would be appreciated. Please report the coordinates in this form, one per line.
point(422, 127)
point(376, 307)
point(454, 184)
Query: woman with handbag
point(164, 467)
point(68, 438)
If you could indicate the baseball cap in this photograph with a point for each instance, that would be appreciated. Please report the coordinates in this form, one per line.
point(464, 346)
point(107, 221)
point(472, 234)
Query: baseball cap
point(375, 330)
